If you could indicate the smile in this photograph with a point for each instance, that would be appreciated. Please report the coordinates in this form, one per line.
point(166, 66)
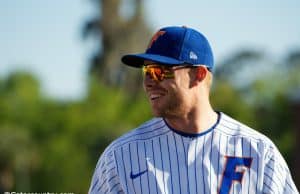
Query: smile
point(155, 96)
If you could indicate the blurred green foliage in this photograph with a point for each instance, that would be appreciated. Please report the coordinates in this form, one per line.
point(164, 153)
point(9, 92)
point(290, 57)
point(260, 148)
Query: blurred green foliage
point(52, 145)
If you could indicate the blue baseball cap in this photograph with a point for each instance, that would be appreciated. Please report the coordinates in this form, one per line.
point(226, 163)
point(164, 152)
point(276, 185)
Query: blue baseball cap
point(173, 46)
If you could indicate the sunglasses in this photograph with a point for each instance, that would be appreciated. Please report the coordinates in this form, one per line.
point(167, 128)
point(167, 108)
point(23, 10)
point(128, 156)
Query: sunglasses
point(159, 72)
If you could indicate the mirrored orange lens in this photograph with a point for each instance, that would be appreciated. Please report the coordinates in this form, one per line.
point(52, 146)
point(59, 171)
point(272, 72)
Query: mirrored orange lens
point(155, 72)
point(158, 73)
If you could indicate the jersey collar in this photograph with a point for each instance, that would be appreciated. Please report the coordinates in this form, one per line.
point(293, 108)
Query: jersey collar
point(194, 134)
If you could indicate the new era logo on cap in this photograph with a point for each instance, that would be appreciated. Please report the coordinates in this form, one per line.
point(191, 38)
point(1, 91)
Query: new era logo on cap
point(175, 46)
point(193, 55)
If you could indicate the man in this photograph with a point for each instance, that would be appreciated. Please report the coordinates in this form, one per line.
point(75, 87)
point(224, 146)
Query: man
point(188, 147)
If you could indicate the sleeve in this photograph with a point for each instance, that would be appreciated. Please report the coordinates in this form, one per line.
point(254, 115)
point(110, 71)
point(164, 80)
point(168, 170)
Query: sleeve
point(106, 178)
point(277, 177)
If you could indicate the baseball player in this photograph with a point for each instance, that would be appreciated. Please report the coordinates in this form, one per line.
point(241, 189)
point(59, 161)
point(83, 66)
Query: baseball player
point(187, 147)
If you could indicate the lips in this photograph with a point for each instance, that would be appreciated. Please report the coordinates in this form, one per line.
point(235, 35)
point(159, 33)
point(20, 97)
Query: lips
point(154, 95)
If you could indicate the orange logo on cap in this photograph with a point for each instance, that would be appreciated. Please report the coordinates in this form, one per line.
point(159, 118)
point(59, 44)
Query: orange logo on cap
point(155, 37)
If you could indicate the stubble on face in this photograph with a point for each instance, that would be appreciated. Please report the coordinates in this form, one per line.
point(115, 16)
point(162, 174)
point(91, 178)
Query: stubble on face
point(168, 105)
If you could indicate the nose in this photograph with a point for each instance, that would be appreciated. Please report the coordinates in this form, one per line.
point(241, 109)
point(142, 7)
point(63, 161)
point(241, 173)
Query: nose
point(149, 82)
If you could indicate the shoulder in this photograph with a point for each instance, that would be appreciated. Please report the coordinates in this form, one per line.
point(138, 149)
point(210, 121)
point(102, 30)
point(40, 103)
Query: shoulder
point(251, 140)
point(235, 129)
point(147, 130)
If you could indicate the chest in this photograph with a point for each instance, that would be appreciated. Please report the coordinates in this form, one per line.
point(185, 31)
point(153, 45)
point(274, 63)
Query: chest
point(176, 164)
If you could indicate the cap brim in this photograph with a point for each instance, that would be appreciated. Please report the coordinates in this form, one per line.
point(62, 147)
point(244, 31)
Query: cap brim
point(137, 60)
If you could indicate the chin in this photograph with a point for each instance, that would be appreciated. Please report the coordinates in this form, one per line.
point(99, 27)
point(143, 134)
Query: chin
point(157, 112)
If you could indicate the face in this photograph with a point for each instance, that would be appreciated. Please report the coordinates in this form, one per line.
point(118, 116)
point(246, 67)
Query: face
point(170, 95)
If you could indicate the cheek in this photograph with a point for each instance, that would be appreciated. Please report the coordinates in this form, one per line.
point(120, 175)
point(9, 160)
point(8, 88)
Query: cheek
point(176, 94)
point(182, 79)
point(181, 92)
point(181, 86)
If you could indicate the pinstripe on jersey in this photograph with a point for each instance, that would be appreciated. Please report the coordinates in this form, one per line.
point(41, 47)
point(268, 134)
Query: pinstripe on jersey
point(228, 158)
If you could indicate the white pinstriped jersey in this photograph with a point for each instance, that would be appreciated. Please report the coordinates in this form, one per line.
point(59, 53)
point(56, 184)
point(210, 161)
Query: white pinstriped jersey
point(228, 158)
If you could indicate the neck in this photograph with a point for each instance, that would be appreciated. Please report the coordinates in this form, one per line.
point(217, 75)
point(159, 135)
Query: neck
point(197, 120)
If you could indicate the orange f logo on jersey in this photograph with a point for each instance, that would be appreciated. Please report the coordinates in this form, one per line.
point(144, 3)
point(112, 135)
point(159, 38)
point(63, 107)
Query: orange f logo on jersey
point(155, 37)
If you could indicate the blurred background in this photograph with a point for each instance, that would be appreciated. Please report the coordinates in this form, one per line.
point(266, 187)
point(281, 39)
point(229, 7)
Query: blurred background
point(64, 94)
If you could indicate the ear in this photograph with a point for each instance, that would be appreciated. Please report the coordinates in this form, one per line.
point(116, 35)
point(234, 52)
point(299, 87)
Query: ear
point(201, 73)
